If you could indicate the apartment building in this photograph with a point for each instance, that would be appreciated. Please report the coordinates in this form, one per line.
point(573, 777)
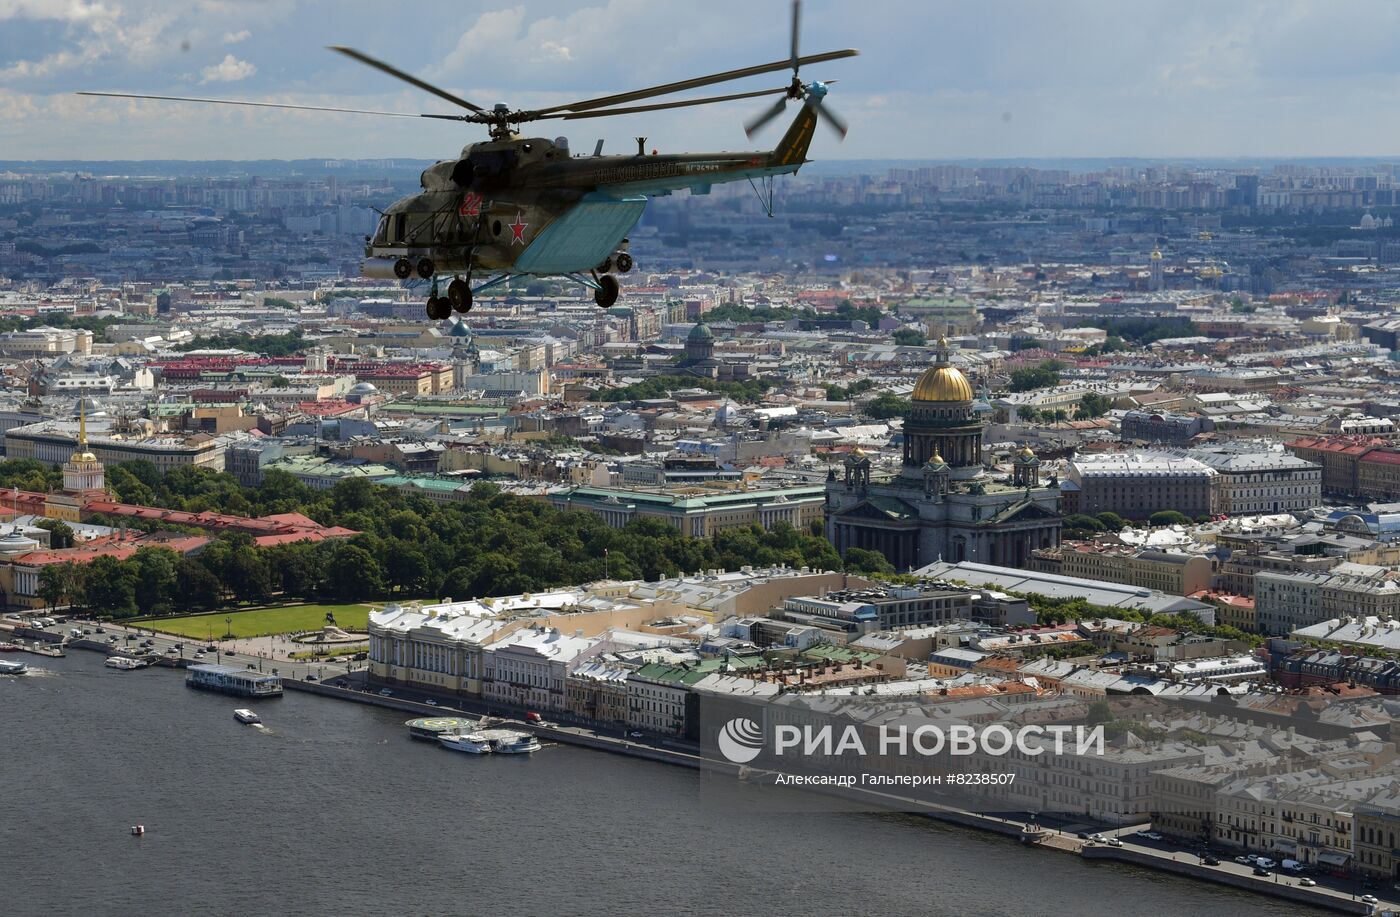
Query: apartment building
point(1137, 484)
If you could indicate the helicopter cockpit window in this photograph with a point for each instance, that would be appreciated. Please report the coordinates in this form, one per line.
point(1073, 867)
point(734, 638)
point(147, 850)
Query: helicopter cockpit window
point(382, 230)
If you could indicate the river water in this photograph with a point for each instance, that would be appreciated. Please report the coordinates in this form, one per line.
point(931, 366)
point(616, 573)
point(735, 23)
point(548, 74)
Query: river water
point(333, 810)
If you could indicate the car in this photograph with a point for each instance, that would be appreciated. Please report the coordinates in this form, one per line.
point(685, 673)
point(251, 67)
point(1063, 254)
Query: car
point(532, 717)
point(1306, 882)
point(211, 649)
point(339, 684)
point(228, 652)
point(102, 630)
point(634, 735)
point(199, 655)
point(171, 651)
point(1152, 836)
point(1264, 862)
point(430, 702)
point(385, 692)
point(1083, 835)
point(1114, 842)
point(1370, 899)
point(1244, 860)
point(1261, 871)
point(1097, 837)
point(1210, 860)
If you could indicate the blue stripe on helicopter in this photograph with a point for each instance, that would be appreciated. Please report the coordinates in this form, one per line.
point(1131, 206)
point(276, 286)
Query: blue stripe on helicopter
point(586, 234)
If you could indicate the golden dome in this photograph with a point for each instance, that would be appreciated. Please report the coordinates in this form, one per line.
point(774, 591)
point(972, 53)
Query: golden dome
point(1026, 453)
point(83, 457)
point(943, 383)
point(1156, 254)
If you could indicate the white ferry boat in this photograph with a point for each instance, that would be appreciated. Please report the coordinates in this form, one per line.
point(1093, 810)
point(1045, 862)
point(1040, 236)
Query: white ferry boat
point(12, 668)
point(244, 715)
point(516, 743)
point(472, 743)
point(123, 663)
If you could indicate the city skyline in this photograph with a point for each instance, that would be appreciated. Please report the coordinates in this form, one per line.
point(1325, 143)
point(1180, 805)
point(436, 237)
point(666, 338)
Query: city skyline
point(958, 82)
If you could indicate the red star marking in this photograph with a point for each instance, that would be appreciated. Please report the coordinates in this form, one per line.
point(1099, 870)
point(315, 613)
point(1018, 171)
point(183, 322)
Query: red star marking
point(471, 205)
point(517, 230)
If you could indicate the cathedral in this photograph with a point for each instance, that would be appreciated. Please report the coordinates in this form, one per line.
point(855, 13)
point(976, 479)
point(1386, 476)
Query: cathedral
point(942, 505)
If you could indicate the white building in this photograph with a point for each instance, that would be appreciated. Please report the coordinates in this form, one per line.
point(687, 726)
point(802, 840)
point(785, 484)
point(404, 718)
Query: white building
point(528, 668)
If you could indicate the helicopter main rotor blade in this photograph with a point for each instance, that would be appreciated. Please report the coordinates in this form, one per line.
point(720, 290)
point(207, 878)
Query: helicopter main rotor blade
point(754, 125)
point(348, 111)
point(407, 78)
point(695, 83)
point(659, 106)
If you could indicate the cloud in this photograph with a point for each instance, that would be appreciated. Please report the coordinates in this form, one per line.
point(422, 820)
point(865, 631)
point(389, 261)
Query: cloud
point(233, 38)
point(228, 70)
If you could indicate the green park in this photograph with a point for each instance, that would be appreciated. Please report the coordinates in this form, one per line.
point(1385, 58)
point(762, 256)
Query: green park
point(260, 622)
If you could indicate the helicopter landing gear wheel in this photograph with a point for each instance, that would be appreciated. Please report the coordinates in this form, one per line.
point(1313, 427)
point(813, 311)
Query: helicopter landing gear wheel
point(439, 308)
point(607, 292)
point(623, 261)
point(426, 268)
point(459, 294)
point(403, 269)
point(605, 267)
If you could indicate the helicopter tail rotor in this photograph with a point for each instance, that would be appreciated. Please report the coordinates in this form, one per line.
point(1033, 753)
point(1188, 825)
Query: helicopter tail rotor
point(811, 94)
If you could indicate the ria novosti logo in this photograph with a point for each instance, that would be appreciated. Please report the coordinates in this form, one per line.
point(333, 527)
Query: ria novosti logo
point(740, 740)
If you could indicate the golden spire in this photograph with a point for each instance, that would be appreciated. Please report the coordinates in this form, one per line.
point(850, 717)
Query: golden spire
point(82, 454)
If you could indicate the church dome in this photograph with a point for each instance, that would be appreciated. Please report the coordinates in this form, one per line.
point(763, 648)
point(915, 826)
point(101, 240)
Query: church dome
point(701, 332)
point(943, 383)
point(1026, 454)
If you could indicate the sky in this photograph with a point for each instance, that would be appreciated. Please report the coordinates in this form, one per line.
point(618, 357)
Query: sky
point(936, 79)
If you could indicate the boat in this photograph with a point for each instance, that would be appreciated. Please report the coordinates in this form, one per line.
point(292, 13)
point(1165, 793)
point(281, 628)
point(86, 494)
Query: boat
point(473, 743)
point(123, 663)
point(244, 715)
point(10, 648)
point(516, 743)
point(13, 668)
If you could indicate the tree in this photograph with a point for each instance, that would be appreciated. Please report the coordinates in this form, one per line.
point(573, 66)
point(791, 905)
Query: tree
point(1026, 412)
point(1030, 378)
point(52, 586)
point(355, 574)
point(886, 405)
point(909, 337)
point(199, 589)
point(1168, 517)
point(1111, 521)
point(60, 533)
point(157, 578)
point(110, 587)
point(859, 560)
point(1093, 405)
point(406, 567)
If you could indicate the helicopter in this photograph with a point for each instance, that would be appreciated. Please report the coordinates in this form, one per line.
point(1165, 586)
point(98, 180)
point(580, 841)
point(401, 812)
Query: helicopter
point(515, 206)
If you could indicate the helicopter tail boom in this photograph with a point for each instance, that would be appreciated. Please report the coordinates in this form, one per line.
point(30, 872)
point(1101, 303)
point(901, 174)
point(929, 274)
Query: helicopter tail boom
point(792, 148)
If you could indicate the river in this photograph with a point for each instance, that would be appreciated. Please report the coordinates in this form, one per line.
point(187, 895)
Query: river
point(333, 810)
